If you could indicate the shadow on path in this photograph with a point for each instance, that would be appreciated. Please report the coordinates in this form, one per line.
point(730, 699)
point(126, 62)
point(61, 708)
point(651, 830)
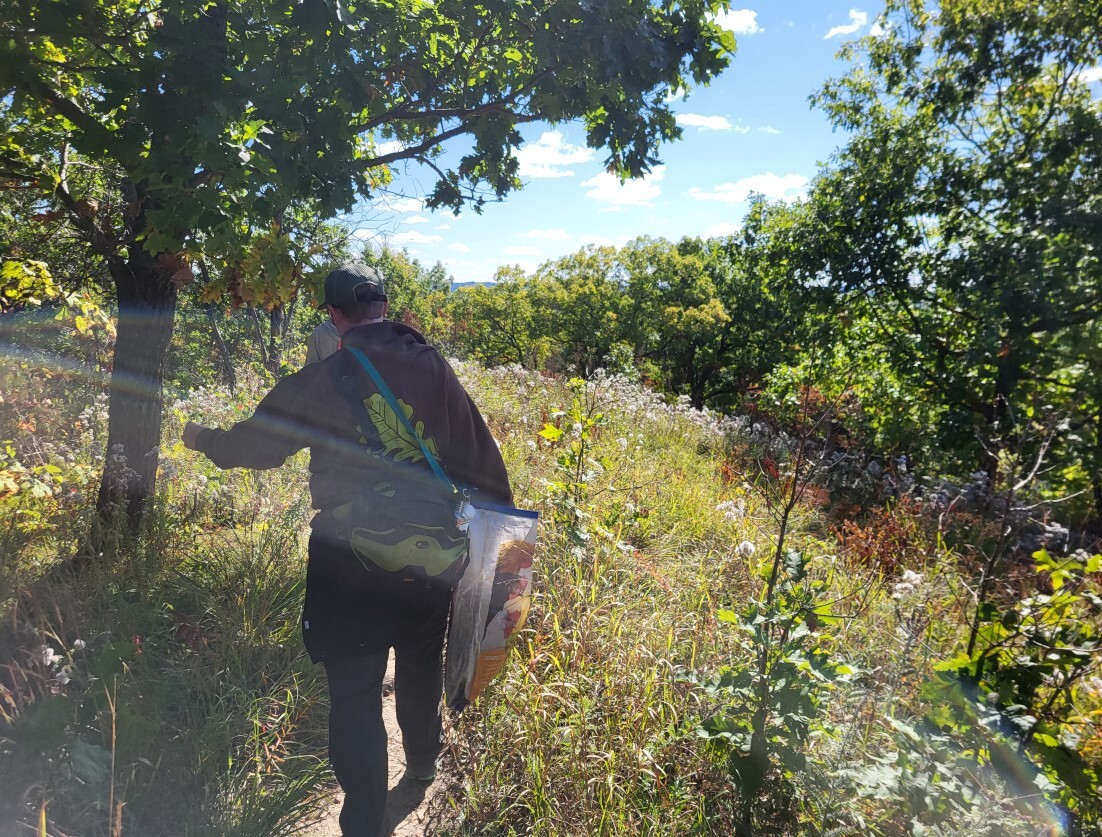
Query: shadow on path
point(403, 799)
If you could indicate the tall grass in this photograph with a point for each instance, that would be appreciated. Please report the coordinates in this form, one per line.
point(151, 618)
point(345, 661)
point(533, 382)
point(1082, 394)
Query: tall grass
point(590, 729)
point(166, 691)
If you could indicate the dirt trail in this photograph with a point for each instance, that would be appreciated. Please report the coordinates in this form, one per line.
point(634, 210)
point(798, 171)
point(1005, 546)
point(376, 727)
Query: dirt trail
point(413, 809)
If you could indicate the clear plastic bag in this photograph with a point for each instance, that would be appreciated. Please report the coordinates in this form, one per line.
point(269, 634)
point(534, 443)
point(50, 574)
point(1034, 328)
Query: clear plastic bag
point(491, 602)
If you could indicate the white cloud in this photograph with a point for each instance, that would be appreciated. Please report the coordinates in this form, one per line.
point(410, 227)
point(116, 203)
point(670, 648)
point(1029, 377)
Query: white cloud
point(878, 30)
point(606, 188)
point(741, 129)
point(388, 147)
point(708, 123)
point(401, 204)
point(442, 227)
point(740, 21)
point(857, 19)
point(364, 235)
point(769, 129)
point(550, 235)
point(527, 252)
point(1090, 75)
point(416, 219)
point(676, 94)
point(550, 156)
point(459, 247)
point(787, 187)
point(414, 237)
point(722, 229)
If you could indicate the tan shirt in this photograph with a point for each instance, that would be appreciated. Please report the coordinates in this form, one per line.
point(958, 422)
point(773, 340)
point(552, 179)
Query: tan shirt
point(322, 342)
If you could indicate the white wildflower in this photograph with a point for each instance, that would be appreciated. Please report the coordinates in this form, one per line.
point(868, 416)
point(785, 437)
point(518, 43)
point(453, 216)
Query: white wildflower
point(745, 549)
point(48, 656)
point(732, 510)
point(909, 583)
point(79, 644)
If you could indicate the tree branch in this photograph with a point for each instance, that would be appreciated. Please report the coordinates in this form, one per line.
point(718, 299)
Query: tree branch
point(81, 218)
point(68, 109)
point(417, 151)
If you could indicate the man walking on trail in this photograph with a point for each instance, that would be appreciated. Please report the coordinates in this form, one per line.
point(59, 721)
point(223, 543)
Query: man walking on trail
point(352, 617)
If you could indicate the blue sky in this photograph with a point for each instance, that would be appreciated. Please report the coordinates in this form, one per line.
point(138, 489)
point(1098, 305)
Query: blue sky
point(752, 130)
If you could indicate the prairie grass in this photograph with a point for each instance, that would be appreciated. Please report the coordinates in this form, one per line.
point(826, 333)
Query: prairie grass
point(167, 691)
point(590, 729)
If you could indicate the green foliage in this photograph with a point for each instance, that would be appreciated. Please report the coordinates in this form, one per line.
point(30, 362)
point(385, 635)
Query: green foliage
point(583, 296)
point(941, 283)
point(767, 706)
point(591, 728)
point(588, 728)
point(171, 684)
point(25, 283)
point(1013, 696)
point(30, 282)
point(971, 232)
point(259, 106)
point(212, 126)
point(498, 323)
point(577, 464)
point(705, 314)
point(695, 318)
point(771, 704)
point(929, 782)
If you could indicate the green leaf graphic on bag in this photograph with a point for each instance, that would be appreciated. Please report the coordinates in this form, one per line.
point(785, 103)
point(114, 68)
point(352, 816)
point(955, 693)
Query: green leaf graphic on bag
point(393, 435)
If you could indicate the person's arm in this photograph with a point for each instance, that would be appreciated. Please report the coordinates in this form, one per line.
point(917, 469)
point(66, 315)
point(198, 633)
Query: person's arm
point(275, 431)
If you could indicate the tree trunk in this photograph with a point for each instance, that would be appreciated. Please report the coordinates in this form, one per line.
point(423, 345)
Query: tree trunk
point(147, 309)
point(259, 332)
point(696, 388)
point(275, 339)
point(288, 320)
point(1095, 467)
point(223, 349)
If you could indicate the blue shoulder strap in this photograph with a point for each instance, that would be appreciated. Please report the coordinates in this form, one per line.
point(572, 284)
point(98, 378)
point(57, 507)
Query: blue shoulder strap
point(384, 390)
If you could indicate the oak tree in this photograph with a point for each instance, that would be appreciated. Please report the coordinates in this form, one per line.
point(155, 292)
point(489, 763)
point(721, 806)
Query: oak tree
point(964, 215)
point(209, 119)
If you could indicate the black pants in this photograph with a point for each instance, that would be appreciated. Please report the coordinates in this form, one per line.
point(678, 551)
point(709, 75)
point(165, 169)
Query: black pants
point(357, 736)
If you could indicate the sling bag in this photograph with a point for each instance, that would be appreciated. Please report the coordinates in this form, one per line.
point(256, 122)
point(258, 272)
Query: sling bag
point(404, 525)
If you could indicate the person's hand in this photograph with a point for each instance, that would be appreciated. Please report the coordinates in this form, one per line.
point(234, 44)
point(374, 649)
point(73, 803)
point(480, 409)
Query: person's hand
point(190, 436)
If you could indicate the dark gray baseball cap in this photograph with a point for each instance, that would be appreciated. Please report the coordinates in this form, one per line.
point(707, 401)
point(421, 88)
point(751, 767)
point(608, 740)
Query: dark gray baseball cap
point(353, 282)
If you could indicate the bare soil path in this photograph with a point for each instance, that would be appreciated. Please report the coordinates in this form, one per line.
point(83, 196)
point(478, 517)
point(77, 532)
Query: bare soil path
point(414, 809)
